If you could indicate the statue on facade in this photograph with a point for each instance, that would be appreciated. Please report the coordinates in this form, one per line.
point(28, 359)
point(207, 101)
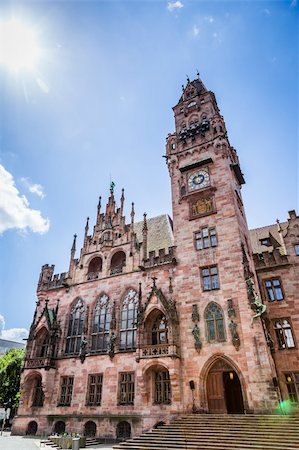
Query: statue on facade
point(235, 334)
point(82, 352)
point(111, 345)
point(196, 335)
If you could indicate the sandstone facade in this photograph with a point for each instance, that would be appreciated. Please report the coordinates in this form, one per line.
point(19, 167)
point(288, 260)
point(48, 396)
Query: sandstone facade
point(156, 318)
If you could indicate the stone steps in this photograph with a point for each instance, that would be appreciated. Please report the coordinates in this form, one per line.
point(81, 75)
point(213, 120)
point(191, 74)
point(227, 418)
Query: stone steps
point(221, 432)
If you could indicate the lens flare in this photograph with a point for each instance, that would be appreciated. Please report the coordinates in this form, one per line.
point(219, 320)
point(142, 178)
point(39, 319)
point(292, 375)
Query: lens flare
point(19, 49)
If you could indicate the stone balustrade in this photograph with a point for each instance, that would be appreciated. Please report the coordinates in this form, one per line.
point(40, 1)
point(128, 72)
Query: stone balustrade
point(160, 350)
point(39, 363)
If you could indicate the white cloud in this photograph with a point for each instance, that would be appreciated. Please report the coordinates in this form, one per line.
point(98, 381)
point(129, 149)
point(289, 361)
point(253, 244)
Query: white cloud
point(12, 334)
point(2, 323)
point(15, 334)
point(171, 6)
point(34, 188)
point(15, 211)
point(195, 31)
point(37, 189)
point(209, 19)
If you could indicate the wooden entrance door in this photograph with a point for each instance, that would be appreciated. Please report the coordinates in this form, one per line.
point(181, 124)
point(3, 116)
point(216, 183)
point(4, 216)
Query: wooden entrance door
point(215, 391)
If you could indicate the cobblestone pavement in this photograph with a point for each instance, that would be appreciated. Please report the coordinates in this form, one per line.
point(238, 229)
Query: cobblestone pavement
point(8, 442)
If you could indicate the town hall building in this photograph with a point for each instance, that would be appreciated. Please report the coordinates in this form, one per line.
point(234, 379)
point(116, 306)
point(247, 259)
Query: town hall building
point(165, 316)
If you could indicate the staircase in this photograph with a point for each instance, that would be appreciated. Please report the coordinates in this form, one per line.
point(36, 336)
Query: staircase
point(90, 442)
point(221, 432)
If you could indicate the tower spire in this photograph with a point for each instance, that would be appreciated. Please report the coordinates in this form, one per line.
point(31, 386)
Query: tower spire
point(86, 231)
point(73, 251)
point(122, 200)
point(144, 234)
point(99, 210)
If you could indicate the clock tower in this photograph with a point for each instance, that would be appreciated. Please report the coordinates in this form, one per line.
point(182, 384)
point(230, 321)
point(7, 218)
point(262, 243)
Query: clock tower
point(221, 317)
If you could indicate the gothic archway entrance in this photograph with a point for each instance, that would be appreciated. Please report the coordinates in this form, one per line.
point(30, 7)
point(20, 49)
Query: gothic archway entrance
point(224, 392)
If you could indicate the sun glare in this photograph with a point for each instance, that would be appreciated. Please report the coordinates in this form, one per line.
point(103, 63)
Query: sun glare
point(19, 49)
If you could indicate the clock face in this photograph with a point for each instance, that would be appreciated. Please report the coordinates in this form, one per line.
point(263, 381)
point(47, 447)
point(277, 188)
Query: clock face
point(198, 180)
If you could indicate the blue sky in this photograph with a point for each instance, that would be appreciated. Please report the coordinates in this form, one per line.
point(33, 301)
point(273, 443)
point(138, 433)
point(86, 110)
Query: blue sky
point(98, 106)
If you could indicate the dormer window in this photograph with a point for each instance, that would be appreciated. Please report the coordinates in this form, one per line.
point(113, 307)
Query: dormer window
point(191, 104)
point(266, 242)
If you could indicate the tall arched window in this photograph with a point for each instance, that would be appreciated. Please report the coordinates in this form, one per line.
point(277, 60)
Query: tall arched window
point(42, 343)
point(160, 330)
point(128, 324)
point(38, 394)
point(101, 325)
point(75, 328)
point(214, 323)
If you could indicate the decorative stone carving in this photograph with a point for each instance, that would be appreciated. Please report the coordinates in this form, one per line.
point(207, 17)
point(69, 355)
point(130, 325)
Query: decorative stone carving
point(195, 314)
point(256, 305)
point(111, 345)
point(202, 206)
point(230, 308)
point(82, 352)
point(235, 335)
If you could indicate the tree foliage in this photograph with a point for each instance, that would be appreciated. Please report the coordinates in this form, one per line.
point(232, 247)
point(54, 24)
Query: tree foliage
point(10, 373)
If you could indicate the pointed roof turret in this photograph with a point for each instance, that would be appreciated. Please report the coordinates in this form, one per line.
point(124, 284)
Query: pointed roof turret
point(122, 200)
point(192, 89)
point(99, 211)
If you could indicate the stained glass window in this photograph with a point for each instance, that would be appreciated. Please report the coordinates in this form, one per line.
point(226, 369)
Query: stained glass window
point(128, 324)
point(75, 328)
point(101, 325)
point(214, 323)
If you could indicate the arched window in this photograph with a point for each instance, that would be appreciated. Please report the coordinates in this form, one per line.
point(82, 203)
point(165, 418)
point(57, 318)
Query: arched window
point(214, 323)
point(162, 387)
point(101, 325)
point(118, 261)
point(42, 343)
point(38, 394)
point(128, 324)
point(75, 328)
point(160, 330)
point(94, 268)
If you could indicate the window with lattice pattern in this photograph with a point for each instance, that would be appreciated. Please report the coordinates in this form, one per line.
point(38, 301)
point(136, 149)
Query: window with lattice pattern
point(292, 382)
point(126, 388)
point(66, 391)
point(94, 389)
point(210, 279)
point(162, 387)
point(284, 333)
point(205, 238)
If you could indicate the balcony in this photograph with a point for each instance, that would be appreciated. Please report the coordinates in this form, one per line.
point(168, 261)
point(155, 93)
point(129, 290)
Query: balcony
point(40, 363)
point(158, 351)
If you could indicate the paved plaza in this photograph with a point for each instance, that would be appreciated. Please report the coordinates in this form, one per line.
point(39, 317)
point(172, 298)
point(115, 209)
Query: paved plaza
point(8, 442)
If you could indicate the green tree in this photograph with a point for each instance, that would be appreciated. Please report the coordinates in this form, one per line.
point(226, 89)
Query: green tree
point(10, 373)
